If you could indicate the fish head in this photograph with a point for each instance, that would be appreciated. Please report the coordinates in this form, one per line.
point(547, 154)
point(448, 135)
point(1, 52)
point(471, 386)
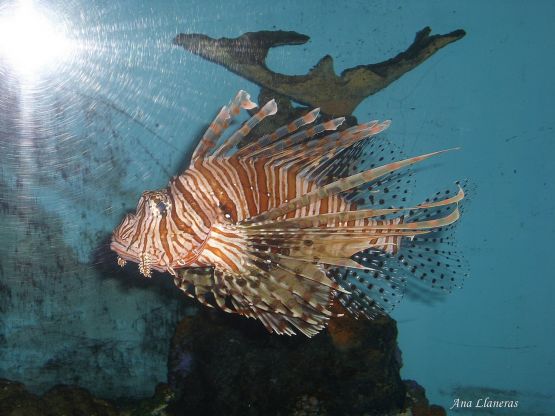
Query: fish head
point(142, 236)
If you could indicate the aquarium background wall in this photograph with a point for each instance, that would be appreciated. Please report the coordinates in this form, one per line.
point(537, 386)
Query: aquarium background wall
point(117, 109)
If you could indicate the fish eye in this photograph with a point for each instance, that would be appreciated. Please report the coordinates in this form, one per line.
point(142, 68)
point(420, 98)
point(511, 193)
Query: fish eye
point(161, 207)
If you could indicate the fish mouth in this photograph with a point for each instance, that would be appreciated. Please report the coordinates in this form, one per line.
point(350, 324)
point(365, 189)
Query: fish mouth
point(123, 251)
point(125, 254)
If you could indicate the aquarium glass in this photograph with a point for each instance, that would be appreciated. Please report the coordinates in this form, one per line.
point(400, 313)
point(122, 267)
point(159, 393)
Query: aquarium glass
point(98, 104)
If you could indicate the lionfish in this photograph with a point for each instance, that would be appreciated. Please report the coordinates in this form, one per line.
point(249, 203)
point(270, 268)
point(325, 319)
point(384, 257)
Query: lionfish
point(281, 236)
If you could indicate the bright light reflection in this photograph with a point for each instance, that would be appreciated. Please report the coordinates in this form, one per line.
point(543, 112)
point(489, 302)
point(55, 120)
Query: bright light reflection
point(29, 41)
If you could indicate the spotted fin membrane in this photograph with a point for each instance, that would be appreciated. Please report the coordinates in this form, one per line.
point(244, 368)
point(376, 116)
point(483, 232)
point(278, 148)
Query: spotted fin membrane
point(424, 268)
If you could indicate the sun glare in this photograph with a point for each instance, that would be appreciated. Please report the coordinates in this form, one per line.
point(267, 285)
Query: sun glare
point(31, 40)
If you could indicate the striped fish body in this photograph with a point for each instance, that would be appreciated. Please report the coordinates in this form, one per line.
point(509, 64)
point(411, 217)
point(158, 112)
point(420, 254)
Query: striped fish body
point(268, 222)
point(235, 190)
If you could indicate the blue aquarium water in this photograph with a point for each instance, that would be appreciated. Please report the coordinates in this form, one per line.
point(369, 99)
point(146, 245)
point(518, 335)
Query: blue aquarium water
point(100, 106)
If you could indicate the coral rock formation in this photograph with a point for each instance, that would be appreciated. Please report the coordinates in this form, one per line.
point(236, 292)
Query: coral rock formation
point(222, 365)
point(321, 87)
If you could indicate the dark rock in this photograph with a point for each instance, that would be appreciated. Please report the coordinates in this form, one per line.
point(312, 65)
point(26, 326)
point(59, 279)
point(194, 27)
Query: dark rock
point(64, 400)
point(418, 403)
point(155, 406)
point(222, 365)
point(15, 400)
point(72, 400)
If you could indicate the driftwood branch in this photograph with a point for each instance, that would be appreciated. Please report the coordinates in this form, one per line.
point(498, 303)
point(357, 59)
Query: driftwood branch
point(321, 87)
